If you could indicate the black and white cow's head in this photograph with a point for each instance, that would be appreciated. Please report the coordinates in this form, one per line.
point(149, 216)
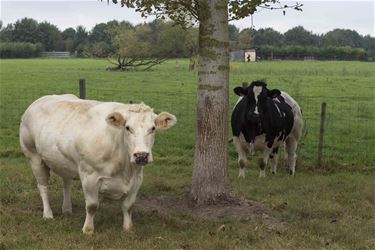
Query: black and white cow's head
point(257, 94)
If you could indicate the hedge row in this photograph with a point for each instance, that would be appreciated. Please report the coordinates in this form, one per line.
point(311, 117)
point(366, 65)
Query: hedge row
point(325, 53)
point(20, 50)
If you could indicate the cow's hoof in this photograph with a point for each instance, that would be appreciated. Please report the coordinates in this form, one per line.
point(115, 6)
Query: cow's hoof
point(67, 211)
point(241, 174)
point(48, 215)
point(88, 230)
point(273, 172)
point(262, 174)
point(291, 172)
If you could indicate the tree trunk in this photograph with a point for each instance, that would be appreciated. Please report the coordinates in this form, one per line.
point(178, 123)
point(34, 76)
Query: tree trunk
point(210, 182)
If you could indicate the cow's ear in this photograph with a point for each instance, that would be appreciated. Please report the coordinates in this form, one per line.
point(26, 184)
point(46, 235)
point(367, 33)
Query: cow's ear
point(165, 120)
point(240, 91)
point(274, 93)
point(116, 119)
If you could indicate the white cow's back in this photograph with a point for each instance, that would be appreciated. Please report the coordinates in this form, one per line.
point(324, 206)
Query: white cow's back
point(65, 130)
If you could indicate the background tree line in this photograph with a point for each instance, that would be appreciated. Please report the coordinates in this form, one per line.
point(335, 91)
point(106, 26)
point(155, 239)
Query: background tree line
point(297, 43)
point(154, 39)
point(161, 39)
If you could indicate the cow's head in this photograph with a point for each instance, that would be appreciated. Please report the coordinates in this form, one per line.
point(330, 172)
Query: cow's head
point(257, 94)
point(139, 124)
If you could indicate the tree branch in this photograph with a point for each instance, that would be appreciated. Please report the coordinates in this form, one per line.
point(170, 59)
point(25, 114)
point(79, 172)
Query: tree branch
point(125, 63)
point(242, 9)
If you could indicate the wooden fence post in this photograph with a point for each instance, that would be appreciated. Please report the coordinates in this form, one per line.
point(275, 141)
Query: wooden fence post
point(321, 132)
point(82, 88)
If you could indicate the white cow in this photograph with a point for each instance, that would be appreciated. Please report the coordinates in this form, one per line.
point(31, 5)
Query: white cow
point(104, 144)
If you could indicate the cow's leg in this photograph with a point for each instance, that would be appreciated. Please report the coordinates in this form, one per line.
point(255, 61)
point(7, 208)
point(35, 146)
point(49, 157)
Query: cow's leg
point(67, 202)
point(274, 156)
point(42, 174)
point(91, 192)
point(127, 206)
point(263, 161)
point(242, 158)
point(291, 147)
point(39, 168)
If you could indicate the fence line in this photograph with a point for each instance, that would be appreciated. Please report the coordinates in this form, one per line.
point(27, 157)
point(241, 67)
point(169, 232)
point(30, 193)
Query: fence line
point(55, 54)
point(321, 132)
point(348, 139)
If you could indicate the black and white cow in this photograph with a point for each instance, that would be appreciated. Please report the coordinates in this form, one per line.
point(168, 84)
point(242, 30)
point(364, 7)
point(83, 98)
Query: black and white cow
point(262, 120)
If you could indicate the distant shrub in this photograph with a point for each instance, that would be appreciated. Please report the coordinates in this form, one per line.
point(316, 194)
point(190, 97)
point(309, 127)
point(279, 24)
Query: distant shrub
point(20, 50)
point(97, 50)
point(102, 49)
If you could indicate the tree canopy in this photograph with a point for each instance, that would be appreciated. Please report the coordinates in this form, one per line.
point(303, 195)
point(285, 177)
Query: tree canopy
point(299, 36)
point(184, 11)
point(173, 41)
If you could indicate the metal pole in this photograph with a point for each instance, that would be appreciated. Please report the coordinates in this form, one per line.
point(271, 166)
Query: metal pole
point(82, 88)
point(321, 132)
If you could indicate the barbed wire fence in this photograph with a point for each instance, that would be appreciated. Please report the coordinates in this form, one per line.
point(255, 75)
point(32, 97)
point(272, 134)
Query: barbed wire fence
point(349, 126)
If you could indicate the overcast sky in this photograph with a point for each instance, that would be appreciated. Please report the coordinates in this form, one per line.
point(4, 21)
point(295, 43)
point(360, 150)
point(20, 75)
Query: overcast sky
point(317, 16)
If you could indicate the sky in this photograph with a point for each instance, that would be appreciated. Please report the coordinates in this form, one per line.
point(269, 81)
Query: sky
point(317, 16)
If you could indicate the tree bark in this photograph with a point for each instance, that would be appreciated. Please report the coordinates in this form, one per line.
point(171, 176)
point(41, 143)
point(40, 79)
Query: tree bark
point(210, 183)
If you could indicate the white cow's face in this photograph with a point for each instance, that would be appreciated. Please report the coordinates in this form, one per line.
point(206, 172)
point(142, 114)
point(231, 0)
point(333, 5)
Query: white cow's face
point(139, 132)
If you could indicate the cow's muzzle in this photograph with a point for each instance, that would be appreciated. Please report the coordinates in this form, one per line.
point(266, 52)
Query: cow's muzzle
point(141, 158)
point(254, 116)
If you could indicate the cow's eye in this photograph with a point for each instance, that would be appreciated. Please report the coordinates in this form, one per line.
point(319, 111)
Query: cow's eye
point(127, 128)
point(152, 130)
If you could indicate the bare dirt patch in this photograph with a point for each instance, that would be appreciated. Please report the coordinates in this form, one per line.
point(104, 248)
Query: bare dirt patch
point(235, 209)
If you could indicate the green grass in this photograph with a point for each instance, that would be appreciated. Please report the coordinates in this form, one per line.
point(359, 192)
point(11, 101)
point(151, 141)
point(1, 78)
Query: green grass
point(325, 207)
point(335, 211)
point(347, 87)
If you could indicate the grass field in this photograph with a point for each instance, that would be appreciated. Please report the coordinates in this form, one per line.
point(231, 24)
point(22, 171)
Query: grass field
point(332, 206)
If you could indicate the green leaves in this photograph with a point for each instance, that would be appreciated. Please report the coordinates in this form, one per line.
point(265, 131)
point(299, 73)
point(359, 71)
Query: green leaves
point(186, 12)
point(244, 8)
